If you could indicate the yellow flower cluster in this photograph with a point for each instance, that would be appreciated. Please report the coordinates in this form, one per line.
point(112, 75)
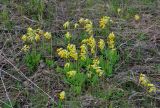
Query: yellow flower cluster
point(137, 17)
point(66, 25)
point(145, 82)
point(104, 21)
point(111, 40)
point(83, 52)
point(71, 74)
point(25, 48)
point(47, 35)
point(67, 65)
point(88, 25)
point(62, 95)
point(76, 25)
point(34, 35)
point(70, 52)
point(68, 35)
point(91, 42)
point(119, 10)
point(97, 68)
point(63, 53)
point(101, 44)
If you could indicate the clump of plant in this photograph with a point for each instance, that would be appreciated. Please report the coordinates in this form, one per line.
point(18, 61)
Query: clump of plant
point(93, 58)
point(144, 81)
point(36, 8)
point(37, 44)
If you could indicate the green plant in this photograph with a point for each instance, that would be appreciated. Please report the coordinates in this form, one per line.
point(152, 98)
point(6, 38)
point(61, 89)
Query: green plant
point(86, 65)
point(36, 8)
point(36, 42)
point(9, 104)
point(32, 60)
point(4, 17)
point(49, 63)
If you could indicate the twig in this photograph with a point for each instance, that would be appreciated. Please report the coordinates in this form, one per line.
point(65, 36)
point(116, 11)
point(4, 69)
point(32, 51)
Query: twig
point(10, 75)
point(6, 92)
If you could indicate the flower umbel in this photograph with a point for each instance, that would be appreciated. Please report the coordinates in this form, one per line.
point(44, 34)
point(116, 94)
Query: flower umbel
point(89, 28)
point(47, 35)
point(137, 17)
point(143, 80)
point(104, 21)
point(67, 65)
point(83, 52)
point(37, 37)
point(63, 53)
point(71, 73)
point(76, 25)
point(24, 38)
point(101, 44)
point(72, 51)
point(62, 95)
point(66, 25)
point(25, 48)
point(68, 35)
point(111, 40)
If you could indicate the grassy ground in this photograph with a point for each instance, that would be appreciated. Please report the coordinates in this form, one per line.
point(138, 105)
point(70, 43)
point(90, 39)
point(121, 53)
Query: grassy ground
point(138, 44)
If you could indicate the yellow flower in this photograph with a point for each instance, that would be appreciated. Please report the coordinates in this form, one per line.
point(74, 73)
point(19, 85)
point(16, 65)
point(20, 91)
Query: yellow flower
point(96, 61)
point(71, 47)
point(111, 40)
point(99, 71)
point(24, 38)
point(85, 41)
point(137, 17)
point(103, 21)
point(93, 50)
point(143, 80)
point(111, 36)
point(101, 44)
point(72, 51)
point(89, 75)
point(81, 21)
point(37, 37)
point(67, 65)
point(83, 52)
point(74, 55)
point(63, 53)
point(29, 29)
point(119, 10)
point(87, 21)
point(152, 88)
point(30, 34)
point(31, 38)
point(96, 67)
point(59, 49)
point(40, 32)
point(62, 95)
point(89, 28)
point(25, 48)
point(47, 35)
point(66, 25)
point(68, 35)
point(71, 73)
point(76, 25)
point(92, 43)
point(111, 44)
